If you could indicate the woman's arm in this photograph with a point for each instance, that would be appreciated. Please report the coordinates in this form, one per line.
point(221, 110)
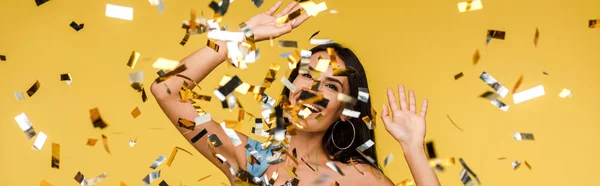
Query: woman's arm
point(199, 64)
point(408, 128)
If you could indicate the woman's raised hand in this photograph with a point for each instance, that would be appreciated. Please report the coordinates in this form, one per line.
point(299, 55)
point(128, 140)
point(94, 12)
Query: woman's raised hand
point(264, 25)
point(404, 124)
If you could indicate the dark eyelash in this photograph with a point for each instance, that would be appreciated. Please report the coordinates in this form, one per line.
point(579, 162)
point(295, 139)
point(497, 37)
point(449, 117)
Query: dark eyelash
point(332, 87)
point(307, 75)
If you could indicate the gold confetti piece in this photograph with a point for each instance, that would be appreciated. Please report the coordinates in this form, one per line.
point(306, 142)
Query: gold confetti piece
point(34, 88)
point(185, 38)
point(123, 184)
point(286, 18)
point(2, 58)
point(406, 182)
point(516, 165)
point(430, 150)
point(213, 45)
point(25, 125)
point(136, 112)
point(476, 57)
point(151, 177)
point(66, 78)
point(132, 141)
point(323, 65)
point(501, 158)
point(203, 178)
point(40, 140)
point(351, 113)
point(157, 162)
point(518, 84)
point(96, 119)
point(80, 178)
point(594, 23)
point(119, 12)
point(290, 172)
point(171, 73)
point(494, 34)
point(289, 85)
point(314, 34)
point(214, 140)
point(529, 94)
point(334, 167)
point(458, 76)
point(165, 64)
point(285, 43)
point(368, 122)
point(388, 159)
point(97, 179)
point(489, 95)
point(19, 96)
point(55, 160)
point(105, 142)
point(163, 183)
point(184, 123)
point(313, 9)
point(527, 165)
point(315, 85)
point(470, 6)
point(565, 93)
point(293, 59)
point(492, 82)
point(536, 37)
point(45, 183)
point(368, 144)
point(523, 136)
point(133, 59)
point(452, 121)
point(91, 142)
point(344, 72)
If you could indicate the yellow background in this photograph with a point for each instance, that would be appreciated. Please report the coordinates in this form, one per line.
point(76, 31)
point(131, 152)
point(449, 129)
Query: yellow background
point(422, 44)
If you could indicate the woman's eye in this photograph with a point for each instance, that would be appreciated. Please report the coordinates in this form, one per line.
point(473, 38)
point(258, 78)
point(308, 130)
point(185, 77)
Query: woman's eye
point(332, 87)
point(307, 75)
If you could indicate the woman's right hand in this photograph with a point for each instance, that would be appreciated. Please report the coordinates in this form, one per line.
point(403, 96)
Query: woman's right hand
point(264, 25)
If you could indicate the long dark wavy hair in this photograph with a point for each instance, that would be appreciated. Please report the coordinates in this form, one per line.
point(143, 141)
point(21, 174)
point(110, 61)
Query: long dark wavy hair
point(343, 133)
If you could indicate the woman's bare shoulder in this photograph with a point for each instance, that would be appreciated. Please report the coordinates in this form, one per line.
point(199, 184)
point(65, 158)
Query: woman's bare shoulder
point(364, 174)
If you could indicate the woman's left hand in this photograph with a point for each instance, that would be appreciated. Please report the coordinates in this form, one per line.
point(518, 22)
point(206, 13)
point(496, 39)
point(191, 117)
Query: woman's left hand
point(405, 125)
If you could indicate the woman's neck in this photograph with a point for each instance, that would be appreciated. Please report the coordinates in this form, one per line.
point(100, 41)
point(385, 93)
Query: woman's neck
point(308, 146)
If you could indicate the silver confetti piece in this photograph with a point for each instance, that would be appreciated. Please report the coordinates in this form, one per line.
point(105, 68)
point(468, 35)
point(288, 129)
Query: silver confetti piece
point(465, 178)
point(363, 94)
point(25, 125)
point(523, 136)
point(516, 164)
point(322, 179)
point(97, 179)
point(334, 167)
point(233, 137)
point(388, 159)
point(492, 82)
point(157, 162)
point(40, 141)
point(19, 95)
point(365, 146)
point(150, 178)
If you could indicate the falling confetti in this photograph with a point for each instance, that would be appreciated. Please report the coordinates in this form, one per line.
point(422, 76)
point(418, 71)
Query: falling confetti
point(594, 23)
point(39, 142)
point(565, 93)
point(66, 78)
point(119, 12)
point(529, 94)
point(34, 88)
point(91, 142)
point(388, 159)
point(518, 84)
point(40, 2)
point(157, 162)
point(536, 37)
point(523, 136)
point(136, 112)
point(25, 125)
point(76, 26)
point(105, 142)
point(2, 58)
point(458, 76)
point(55, 160)
point(452, 121)
point(96, 119)
point(476, 57)
point(471, 5)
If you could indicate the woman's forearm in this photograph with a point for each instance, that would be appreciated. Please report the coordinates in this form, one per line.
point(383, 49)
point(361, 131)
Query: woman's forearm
point(422, 173)
point(199, 64)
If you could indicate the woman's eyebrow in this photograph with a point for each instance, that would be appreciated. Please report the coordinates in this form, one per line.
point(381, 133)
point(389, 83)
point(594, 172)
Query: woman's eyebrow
point(334, 80)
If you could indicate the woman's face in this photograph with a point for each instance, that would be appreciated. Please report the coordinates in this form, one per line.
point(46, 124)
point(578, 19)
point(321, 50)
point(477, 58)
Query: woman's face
point(330, 87)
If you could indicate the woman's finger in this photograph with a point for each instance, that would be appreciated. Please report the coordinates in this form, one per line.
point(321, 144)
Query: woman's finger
point(412, 101)
point(275, 7)
point(392, 99)
point(424, 108)
point(284, 29)
point(385, 115)
point(300, 19)
point(402, 96)
point(287, 9)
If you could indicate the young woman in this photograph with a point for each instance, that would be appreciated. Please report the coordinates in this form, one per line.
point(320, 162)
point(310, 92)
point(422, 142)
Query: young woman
point(331, 139)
